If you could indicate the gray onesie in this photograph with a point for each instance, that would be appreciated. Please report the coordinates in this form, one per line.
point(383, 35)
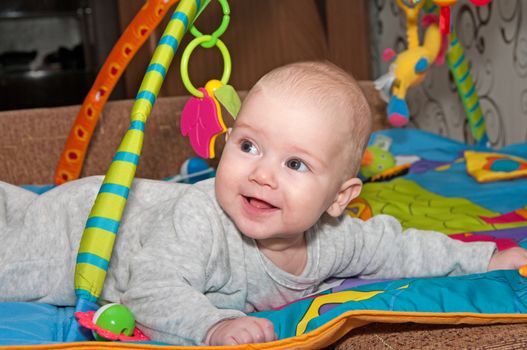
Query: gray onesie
point(181, 265)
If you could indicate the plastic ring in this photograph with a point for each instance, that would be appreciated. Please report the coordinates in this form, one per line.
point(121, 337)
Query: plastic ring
point(186, 57)
point(221, 29)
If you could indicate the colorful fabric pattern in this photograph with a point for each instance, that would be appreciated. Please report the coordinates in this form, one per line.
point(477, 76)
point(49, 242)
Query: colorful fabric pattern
point(487, 167)
point(498, 293)
point(437, 194)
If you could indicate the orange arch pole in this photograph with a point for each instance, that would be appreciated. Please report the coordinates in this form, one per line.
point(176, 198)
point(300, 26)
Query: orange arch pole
point(72, 158)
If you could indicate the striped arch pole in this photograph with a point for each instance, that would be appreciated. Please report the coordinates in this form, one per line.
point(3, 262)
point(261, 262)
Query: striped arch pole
point(103, 221)
point(460, 69)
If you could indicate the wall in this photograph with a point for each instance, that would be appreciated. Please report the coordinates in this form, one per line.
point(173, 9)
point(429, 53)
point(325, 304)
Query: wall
point(495, 42)
point(263, 34)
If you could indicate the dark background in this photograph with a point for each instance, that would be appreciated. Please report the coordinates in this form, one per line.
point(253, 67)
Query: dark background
point(45, 70)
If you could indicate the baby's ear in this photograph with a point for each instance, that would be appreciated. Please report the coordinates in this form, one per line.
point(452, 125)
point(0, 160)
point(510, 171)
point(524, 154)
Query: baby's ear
point(228, 134)
point(349, 190)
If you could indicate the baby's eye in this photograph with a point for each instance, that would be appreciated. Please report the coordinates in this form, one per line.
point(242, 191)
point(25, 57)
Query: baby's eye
point(248, 147)
point(297, 164)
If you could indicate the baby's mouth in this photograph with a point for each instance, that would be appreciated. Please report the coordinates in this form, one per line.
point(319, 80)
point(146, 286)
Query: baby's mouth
point(258, 203)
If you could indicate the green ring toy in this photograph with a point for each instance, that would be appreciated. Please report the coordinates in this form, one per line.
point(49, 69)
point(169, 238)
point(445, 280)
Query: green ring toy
point(186, 57)
point(218, 32)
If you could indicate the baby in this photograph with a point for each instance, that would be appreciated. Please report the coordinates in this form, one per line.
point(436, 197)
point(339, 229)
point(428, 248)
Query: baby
point(192, 260)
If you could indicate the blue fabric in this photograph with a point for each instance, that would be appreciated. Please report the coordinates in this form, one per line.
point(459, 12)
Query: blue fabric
point(497, 292)
point(33, 323)
point(38, 323)
point(76, 332)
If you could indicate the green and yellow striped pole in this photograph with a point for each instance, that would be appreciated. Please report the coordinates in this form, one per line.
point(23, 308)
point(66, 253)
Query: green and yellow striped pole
point(460, 70)
point(103, 221)
point(466, 89)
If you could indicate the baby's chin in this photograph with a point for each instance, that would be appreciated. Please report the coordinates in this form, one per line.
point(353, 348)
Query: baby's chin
point(256, 233)
point(262, 232)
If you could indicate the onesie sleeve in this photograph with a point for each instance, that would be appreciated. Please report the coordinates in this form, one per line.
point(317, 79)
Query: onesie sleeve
point(168, 274)
point(380, 248)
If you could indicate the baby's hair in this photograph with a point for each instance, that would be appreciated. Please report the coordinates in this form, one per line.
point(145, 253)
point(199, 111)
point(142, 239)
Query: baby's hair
point(331, 89)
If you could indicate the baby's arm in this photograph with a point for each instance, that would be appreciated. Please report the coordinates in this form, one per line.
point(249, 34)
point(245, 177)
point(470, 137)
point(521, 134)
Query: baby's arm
point(243, 330)
point(380, 248)
point(166, 292)
point(176, 276)
point(170, 305)
point(509, 259)
point(182, 282)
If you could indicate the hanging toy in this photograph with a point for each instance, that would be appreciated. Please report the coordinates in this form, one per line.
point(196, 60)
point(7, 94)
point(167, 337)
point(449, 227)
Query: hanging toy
point(201, 119)
point(408, 68)
point(445, 13)
point(202, 122)
point(111, 322)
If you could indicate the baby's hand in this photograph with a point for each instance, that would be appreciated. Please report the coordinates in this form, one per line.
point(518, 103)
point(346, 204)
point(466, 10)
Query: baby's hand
point(243, 330)
point(508, 259)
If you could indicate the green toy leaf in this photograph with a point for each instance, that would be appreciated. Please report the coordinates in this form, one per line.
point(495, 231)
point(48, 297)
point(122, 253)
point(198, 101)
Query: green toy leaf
point(229, 99)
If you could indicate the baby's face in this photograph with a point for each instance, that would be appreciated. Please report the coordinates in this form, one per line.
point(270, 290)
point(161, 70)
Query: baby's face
point(281, 167)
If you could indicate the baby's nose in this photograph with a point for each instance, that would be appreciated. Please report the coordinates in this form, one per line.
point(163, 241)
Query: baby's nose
point(264, 175)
